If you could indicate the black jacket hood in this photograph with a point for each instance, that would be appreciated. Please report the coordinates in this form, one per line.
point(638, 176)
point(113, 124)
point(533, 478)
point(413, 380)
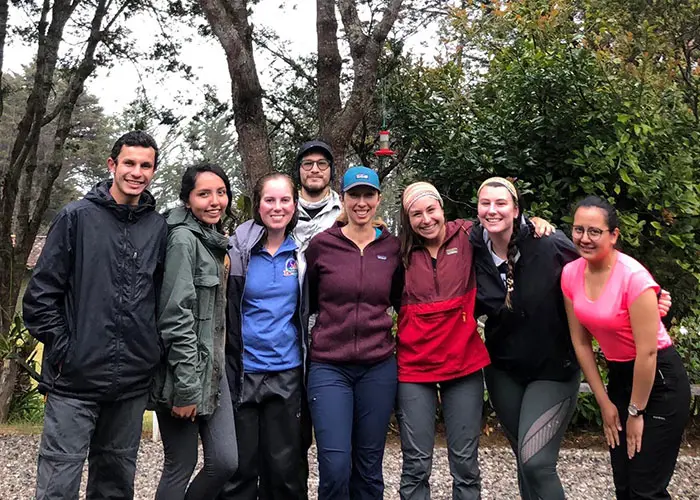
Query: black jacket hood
point(100, 194)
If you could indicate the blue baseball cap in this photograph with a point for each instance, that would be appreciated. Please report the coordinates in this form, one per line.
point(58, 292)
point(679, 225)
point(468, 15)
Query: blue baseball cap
point(360, 176)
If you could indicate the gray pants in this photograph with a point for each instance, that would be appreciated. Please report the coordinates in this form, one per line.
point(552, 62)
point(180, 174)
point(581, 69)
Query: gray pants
point(534, 417)
point(462, 403)
point(180, 443)
point(109, 431)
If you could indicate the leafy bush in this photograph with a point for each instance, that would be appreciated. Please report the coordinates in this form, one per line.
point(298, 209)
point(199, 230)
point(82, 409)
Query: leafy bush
point(686, 337)
point(575, 98)
point(27, 405)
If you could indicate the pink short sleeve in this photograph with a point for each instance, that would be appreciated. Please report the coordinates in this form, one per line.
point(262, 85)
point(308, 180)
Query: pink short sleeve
point(567, 275)
point(639, 281)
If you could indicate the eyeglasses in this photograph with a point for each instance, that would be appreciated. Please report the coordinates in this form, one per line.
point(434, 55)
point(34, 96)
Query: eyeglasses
point(309, 164)
point(593, 233)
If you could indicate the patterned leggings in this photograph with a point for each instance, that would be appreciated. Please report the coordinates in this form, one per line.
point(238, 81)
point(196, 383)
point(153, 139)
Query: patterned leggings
point(534, 417)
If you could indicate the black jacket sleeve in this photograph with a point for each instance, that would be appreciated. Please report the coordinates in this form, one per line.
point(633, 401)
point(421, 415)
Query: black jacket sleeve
point(311, 277)
point(44, 300)
point(565, 250)
point(397, 284)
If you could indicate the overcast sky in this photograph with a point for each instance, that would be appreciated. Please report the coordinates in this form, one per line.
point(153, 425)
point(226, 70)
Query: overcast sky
point(295, 23)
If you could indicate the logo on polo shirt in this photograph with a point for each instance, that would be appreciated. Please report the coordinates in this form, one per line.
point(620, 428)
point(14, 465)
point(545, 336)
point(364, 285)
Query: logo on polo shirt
point(291, 268)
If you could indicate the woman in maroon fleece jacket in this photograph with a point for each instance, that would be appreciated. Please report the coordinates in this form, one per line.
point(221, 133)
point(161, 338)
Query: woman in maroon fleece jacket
point(355, 276)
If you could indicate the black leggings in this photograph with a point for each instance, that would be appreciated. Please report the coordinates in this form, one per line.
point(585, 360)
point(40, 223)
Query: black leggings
point(534, 417)
point(647, 475)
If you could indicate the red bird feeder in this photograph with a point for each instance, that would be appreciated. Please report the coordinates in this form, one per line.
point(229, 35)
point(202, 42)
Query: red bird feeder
point(384, 149)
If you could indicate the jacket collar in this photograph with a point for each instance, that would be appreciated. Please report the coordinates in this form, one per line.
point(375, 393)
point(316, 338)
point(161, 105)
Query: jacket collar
point(335, 231)
point(248, 235)
point(333, 203)
point(183, 217)
point(100, 195)
point(479, 236)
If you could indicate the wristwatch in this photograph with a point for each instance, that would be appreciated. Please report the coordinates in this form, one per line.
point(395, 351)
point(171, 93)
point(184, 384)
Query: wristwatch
point(634, 411)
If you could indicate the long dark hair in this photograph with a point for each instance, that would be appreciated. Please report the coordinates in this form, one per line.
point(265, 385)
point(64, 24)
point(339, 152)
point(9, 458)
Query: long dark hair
point(189, 181)
point(257, 197)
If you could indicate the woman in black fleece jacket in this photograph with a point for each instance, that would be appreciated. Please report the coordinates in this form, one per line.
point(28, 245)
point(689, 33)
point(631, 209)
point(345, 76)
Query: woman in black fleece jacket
point(533, 379)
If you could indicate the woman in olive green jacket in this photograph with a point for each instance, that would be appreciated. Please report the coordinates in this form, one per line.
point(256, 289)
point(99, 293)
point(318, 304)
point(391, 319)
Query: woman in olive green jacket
point(191, 394)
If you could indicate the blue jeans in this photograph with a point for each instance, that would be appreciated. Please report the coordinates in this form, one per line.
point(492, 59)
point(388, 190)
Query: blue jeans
point(350, 409)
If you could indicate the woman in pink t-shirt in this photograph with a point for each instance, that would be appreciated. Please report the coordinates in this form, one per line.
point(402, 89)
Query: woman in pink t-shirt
point(611, 297)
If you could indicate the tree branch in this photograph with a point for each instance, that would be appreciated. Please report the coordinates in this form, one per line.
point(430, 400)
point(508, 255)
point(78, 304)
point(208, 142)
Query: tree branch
point(65, 113)
point(298, 69)
point(353, 28)
point(87, 64)
point(29, 127)
point(229, 22)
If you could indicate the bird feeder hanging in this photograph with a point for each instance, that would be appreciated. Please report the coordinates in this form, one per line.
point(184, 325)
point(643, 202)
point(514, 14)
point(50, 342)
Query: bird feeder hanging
point(384, 135)
point(384, 149)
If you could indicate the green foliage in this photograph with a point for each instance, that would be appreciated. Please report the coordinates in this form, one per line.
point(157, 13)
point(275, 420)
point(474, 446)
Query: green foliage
point(27, 407)
point(576, 98)
point(686, 338)
point(18, 343)
point(27, 404)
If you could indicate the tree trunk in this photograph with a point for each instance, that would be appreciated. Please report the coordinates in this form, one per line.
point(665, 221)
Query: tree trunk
point(16, 197)
point(229, 22)
point(8, 380)
point(24, 148)
point(3, 32)
point(337, 122)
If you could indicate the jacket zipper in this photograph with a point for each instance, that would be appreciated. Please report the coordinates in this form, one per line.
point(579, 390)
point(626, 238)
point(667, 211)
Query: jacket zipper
point(240, 308)
point(246, 261)
point(359, 294)
point(300, 307)
point(435, 278)
point(122, 301)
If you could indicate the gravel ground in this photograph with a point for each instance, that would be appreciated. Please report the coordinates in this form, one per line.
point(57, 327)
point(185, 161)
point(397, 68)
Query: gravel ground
point(586, 474)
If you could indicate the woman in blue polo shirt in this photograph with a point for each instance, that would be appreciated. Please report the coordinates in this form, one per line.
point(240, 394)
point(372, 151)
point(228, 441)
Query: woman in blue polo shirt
point(265, 347)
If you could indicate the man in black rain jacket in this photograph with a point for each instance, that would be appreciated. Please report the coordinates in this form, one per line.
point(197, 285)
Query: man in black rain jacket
point(92, 302)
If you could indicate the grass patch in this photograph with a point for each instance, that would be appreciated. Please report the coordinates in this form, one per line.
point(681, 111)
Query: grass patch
point(20, 429)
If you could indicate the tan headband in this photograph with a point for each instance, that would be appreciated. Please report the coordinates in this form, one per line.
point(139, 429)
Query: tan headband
point(419, 190)
point(501, 182)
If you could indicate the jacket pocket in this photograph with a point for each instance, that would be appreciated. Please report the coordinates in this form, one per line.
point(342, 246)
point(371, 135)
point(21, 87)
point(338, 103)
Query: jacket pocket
point(205, 288)
point(424, 328)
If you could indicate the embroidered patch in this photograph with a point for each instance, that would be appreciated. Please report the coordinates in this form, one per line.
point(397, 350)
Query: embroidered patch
point(381, 257)
point(291, 268)
point(451, 251)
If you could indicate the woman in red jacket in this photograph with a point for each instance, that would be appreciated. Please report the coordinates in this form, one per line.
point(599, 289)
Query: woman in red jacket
point(438, 346)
